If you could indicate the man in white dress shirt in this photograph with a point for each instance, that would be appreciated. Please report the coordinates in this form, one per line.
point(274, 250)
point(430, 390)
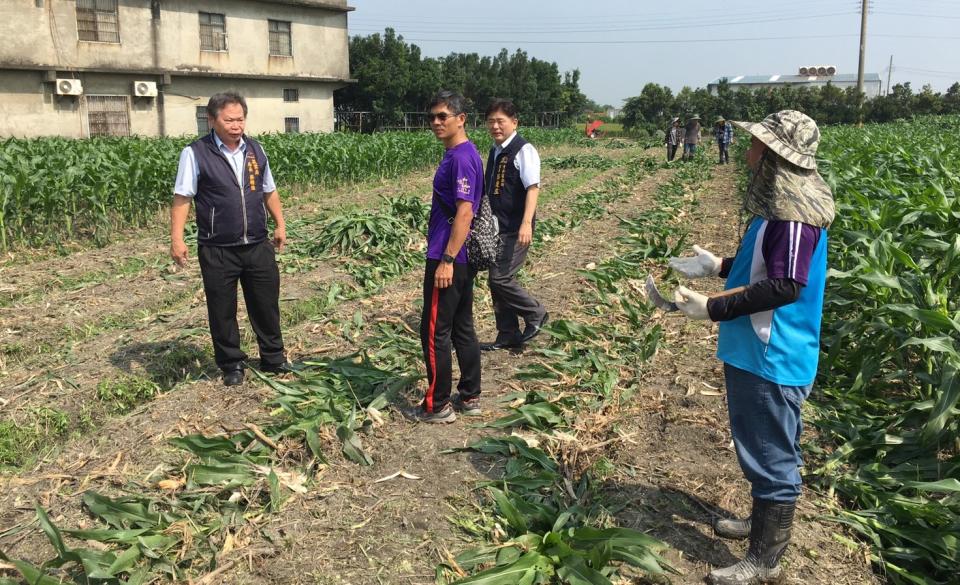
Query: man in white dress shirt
point(227, 176)
point(513, 185)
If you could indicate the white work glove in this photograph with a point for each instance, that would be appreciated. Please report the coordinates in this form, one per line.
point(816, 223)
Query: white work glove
point(699, 266)
point(691, 303)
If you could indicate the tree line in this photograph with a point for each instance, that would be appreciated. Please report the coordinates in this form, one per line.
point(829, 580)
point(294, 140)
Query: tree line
point(656, 105)
point(394, 77)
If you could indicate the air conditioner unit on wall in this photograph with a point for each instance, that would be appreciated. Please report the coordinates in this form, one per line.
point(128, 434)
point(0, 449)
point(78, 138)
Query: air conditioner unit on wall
point(145, 88)
point(69, 87)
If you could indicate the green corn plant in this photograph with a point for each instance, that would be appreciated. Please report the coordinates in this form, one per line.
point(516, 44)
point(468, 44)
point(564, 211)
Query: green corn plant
point(887, 405)
point(55, 189)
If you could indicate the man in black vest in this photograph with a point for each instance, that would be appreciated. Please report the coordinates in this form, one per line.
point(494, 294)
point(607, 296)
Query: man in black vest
point(228, 176)
point(513, 184)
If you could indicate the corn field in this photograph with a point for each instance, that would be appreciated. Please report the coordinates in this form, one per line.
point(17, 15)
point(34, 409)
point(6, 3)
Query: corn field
point(890, 383)
point(56, 189)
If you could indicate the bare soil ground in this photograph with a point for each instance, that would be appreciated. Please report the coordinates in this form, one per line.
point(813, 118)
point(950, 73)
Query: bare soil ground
point(670, 477)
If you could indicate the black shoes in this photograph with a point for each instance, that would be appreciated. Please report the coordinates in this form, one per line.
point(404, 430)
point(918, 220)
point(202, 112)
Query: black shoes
point(529, 333)
point(283, 368)
point(532, 331)
point(232, 377)
point(500, 345)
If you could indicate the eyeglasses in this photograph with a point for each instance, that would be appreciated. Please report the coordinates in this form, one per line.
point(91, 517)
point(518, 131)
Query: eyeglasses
point(442, 116)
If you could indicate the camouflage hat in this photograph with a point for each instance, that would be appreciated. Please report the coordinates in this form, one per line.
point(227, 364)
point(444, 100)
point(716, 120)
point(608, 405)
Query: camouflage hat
point(694, 117)
point(719, 120)
point(789, 133)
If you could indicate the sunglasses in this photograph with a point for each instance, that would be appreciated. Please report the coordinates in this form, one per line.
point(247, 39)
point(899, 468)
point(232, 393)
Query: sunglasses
point(442, 116)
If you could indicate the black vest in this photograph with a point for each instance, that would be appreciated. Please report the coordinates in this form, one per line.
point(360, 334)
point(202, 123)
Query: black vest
point(229, 214)
point(508, 196)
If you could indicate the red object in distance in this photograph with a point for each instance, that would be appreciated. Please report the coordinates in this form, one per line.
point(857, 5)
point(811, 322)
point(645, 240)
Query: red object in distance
point(592, 126)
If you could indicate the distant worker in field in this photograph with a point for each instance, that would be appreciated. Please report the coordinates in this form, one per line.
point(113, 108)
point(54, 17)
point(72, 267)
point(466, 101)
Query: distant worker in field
point(227, 175)
point(691, 137)
point(673, 138)
point(513, 185)
point(723, 132)
point(448, 278)
point(769, 336)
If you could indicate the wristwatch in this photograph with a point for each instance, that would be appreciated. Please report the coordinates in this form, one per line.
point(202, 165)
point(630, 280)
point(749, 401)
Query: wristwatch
point(447, 258)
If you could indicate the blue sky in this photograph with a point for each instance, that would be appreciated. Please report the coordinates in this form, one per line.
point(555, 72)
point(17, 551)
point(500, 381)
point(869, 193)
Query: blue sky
point(619, 45)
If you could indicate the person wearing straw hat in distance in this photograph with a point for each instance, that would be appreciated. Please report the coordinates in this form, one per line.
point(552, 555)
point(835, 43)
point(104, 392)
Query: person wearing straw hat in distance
point(673, 138)
point(723, 132)
point(691, 137)
point(769, 337)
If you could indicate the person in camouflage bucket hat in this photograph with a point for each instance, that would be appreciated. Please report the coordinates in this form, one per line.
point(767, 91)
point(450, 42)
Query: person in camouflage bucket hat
point(787, 186)
point(769, 337)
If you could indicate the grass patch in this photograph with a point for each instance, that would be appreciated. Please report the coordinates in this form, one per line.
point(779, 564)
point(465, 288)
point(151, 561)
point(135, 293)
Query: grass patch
point(125, 393)
point(21, 440)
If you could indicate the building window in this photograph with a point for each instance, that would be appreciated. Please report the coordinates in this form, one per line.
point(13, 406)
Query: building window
point(291, 125)
point(98, 20)
point(203, 123)
point(108, 115)
point(291, 95)
point(213, 32)
point(280, 38)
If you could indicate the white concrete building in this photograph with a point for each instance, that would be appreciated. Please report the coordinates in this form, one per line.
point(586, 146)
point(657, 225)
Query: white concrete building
point(81, 68)
point(810, 77)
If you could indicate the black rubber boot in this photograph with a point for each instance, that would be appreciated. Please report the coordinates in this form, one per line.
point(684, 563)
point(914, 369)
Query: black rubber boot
point(770, 525)
point(734, 528)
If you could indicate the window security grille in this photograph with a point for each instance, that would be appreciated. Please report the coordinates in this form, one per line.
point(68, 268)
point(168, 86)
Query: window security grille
point(203, 124)
point(98, 21)
point(108, 115)
point(280, 42)
point(213, 32)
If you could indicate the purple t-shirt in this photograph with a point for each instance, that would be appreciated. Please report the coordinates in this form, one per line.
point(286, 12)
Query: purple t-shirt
point(787, 249)
point(459, 177)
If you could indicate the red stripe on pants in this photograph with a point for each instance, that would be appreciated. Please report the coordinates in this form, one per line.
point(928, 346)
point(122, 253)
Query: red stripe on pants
point(434, 301)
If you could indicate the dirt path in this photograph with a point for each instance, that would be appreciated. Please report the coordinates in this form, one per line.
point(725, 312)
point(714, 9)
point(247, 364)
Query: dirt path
point(351, 529)
point(146, 324)
point(69, 381)
point(681, 470)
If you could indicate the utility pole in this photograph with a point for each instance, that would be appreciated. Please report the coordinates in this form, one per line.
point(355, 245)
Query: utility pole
point(889, 71)
point(863, 50)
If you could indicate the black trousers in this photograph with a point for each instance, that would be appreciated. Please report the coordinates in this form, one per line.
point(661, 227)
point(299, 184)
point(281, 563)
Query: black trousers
point(724, 153)
point(671, 151)
point(510, 300)
point(448, 316)
point(255, 267)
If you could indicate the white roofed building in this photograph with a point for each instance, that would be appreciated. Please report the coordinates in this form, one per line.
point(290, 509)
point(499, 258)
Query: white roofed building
point(808, 77)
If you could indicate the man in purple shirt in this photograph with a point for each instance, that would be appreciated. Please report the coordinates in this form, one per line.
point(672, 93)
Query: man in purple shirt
point(448, 278)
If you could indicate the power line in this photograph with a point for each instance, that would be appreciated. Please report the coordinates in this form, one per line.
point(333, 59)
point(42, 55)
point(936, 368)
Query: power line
point(645, 15)
point(928, 37)
point(516, 42)
point(914, 14)
point(631, 42)
point(919, 70)
point(529, 30)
